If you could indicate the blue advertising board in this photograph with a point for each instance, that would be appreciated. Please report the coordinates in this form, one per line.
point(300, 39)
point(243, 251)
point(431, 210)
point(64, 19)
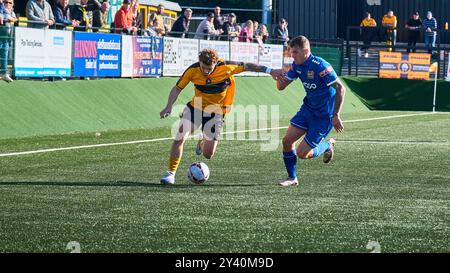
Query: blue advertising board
point(96, 54)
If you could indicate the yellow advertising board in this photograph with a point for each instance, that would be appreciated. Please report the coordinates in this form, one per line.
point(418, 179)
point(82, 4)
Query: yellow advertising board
point(402, 65)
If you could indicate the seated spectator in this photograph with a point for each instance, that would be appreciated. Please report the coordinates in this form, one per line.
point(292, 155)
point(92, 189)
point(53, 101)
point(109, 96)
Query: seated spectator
point(262, 34)
point(100, 17)
point(40, 13)
point(159, 26)
point(281, 33)
point(8, 18)
point(368, 29)
point(80, 13)
point(246, 34)
point(123, 20)
point(181, 26)
point(231, 29)
point(61, 11)
point(206, 30)
point(413, 25)
point(389, 23)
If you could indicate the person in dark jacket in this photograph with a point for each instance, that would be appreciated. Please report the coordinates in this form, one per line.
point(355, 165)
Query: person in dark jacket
point(181, 26)
point(80, 12)
point(413, 25)
point(61, 11)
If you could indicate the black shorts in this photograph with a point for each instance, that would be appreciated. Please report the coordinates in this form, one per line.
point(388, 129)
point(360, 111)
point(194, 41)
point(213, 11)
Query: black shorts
point(211, 123)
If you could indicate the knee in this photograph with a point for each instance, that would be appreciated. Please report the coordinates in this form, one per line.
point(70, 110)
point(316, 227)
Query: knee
point(287, 144)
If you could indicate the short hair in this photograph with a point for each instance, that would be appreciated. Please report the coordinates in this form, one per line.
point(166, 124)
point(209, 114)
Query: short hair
point(300, 41)
point(208, 56)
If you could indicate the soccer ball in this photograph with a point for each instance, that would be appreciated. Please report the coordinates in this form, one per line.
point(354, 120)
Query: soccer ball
point(198, 173)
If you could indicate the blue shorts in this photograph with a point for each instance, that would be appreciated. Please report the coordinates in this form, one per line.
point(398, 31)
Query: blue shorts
point(317, 128)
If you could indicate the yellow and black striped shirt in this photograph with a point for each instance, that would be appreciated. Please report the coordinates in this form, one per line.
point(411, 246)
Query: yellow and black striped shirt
point(216, 91)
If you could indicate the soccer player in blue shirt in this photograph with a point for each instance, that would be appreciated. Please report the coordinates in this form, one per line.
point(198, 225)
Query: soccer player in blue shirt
point(319, 113)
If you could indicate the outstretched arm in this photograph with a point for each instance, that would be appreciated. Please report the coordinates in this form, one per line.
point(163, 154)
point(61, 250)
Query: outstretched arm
point(338, 103)
point(275, 73)
point(170, 101)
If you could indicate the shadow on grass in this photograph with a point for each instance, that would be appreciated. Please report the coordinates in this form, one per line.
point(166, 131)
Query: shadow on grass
point(122, 184)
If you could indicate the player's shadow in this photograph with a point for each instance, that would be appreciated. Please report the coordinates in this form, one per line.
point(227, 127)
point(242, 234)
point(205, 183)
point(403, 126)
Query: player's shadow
point(120, 184)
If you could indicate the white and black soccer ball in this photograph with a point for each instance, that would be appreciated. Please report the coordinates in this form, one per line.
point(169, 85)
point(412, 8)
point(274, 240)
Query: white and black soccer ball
point(198, 173)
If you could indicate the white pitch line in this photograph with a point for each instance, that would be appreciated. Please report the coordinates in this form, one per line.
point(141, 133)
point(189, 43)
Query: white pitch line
point(170, 138)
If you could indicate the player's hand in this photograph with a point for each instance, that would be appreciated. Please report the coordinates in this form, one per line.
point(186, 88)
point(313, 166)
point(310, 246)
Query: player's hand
point(277, 73)
point(337, 124)
point(165, 112)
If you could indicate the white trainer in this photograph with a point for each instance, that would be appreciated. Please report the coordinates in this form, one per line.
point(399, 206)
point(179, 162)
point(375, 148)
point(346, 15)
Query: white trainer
point(7, 78)
point(289, 182)
point(168, 178)
point(328, 155)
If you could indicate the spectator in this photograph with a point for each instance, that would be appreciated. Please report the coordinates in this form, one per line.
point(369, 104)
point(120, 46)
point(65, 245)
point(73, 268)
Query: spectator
point(181, 26)
point(152, 23)
point(206, 30)
point(218, 18)
point(255, 29)
point(413, 25)
point(7, 23)
point(61, 12)
point(123, 20)
point(100, 17)
point(40, 13)
point(262, 33)
point(80, 12)
point(281, 33)
point(430, 26)
point(231, 28)
point(368, 27)
point(159, 26)
point(389, 23)
point(246, 34)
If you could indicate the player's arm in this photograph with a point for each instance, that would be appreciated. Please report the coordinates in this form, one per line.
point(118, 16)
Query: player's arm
point(338, 103)
point(174, 93)
point(275, 73)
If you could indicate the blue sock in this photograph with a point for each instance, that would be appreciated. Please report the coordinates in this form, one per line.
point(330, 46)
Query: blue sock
point(321, 148)
point(290, 161)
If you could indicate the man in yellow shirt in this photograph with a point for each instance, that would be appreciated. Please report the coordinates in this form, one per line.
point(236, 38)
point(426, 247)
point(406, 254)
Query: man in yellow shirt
point(214, 86)
point(368, 27)
point(389, 23)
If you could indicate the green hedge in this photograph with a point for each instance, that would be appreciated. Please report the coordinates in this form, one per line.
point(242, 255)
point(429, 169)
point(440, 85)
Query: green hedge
point(399, 94)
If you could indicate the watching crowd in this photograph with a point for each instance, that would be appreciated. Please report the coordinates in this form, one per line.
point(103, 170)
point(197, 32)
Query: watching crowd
point(92, 16)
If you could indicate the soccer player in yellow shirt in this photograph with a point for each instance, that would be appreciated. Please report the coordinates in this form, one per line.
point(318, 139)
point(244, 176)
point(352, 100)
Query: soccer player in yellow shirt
point(214, 93)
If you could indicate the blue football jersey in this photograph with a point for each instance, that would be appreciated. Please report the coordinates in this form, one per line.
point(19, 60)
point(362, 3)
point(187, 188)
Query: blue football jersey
point(317, 76)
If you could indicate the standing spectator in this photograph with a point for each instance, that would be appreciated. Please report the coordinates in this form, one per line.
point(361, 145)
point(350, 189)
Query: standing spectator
point(281, 33)
point(368, 27)
point(61, 11)
point(181, 26)
point(430, 26)
point(206, 30)
point(7, 23)
point(413, 25)
point(218, 18)
point(100, 17)
point(80, 12)
point(40, 12)
point(231, 28)
point(123, 20)
point(159, 26)
point(246, 34)
point(389, 23)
